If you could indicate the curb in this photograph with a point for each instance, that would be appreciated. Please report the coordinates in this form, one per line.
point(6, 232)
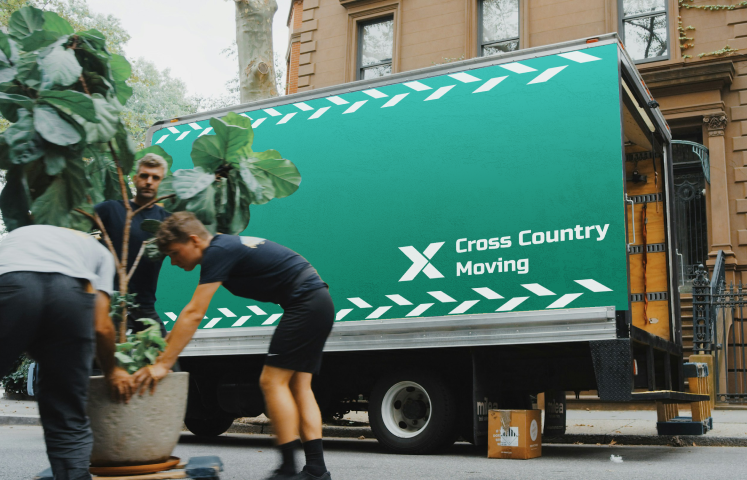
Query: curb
point(331, 431)
point(20, 420)
point(654, 440)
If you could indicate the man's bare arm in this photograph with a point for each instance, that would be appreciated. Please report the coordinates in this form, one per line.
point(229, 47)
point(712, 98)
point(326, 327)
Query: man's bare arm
point(180, 335)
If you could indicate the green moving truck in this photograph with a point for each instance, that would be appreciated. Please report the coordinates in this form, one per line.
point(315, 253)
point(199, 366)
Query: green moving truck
point(480, 224)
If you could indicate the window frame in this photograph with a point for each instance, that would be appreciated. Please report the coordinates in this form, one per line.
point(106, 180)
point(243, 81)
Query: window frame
point(481, 45)
point(359, 41)
point(621, 29)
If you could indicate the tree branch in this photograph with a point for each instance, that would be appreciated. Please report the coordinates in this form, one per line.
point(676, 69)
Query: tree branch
point(122, 271)
point(152, 202)
point(137, 260)
point(97, 220)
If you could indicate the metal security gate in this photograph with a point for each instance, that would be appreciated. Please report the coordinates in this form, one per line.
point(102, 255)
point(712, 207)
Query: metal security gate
point(718, 329)
point(691, 172)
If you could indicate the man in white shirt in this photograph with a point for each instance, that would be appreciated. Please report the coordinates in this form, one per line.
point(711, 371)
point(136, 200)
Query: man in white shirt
point(55, 288)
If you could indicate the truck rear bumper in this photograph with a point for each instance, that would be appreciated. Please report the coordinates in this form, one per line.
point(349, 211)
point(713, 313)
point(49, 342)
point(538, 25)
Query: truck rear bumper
point(519, 328)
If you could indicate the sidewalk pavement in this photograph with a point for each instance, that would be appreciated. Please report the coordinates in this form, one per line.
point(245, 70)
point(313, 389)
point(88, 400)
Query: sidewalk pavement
point(628, 427)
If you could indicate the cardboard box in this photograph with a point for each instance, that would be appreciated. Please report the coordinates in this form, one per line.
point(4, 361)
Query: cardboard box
point(515, 434)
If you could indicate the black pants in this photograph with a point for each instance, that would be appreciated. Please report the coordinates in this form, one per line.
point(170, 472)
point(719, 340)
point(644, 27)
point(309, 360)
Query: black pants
point(143, 312)
point(50, 316)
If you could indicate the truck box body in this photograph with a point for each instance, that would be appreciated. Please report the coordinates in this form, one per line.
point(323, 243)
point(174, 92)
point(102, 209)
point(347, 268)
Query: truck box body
point(463, 207)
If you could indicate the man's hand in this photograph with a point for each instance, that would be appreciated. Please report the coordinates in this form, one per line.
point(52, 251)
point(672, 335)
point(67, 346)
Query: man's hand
point(120, 385)
point(148, 377)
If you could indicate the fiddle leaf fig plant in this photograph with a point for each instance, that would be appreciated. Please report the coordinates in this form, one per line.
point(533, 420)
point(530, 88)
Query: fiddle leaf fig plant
point(228, 176)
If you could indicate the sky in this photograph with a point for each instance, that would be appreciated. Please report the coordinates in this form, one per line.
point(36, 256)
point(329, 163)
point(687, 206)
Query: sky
point(187, 37)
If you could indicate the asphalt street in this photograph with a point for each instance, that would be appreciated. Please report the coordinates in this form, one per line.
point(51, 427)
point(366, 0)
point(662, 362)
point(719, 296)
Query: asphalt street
point(249, 457)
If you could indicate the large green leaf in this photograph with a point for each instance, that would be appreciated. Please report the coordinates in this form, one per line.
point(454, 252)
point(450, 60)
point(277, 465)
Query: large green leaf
point(189, 182)
point(279, 177)
point(65, 193)
point(54, 159)
point(38, 39)
point(7, 73)
point(240, 121)
point(124, 148)
point(124, 91)
point(53, 128)
point(120, 68)
point(208, 153)
point(60, 67)
point(8, 50)
point(71, 102)
point(253, 188)
point(94, 38)
point(235, 141)
point(15, 199)
point(24, 22)
point(10, 103)
point(240, 199)
point(107, 114)
point(29, 72)
point(202, 204)
point(19, 100)
point(57, 24)
point(24, 143)
point(104, 178)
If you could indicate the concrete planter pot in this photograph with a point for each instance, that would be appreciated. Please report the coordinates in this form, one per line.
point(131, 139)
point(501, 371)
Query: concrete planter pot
point(145, 431)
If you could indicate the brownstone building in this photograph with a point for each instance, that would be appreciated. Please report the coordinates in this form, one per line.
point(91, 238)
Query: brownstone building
point(691, 53)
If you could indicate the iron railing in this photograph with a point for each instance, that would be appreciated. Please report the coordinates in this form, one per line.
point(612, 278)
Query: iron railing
point(718, 329)
point(691, 152)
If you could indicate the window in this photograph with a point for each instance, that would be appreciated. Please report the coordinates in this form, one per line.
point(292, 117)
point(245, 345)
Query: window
point(499, 26)
point(375, 46)
point(645, 29)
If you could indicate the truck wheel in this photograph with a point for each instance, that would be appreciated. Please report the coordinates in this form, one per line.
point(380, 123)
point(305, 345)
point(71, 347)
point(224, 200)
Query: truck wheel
point(413, 412)
point(208, 427)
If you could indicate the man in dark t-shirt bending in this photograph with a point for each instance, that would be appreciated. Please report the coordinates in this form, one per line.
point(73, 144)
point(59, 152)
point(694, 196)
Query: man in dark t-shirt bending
point(265, 271)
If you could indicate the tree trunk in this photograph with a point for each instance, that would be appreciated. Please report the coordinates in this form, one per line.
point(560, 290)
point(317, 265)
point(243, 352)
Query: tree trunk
point(254, 42)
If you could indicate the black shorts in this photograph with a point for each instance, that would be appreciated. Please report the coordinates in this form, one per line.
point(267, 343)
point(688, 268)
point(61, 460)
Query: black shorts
point(304, 327)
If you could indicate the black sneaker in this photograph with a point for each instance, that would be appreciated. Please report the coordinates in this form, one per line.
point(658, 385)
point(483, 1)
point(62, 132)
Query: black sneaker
point(279, 475)
point(304, 475)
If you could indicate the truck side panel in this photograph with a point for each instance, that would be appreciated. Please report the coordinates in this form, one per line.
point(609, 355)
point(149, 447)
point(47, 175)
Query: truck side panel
point(492, 189)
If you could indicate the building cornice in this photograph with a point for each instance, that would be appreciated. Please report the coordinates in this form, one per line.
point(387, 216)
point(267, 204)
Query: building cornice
point(694, 78)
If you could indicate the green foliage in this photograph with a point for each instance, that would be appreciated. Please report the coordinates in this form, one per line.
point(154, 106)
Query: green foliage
point(229, 176)
point(63, 92)
point(142, 348)
point(727, 50)
point(16, 381)
point(118, 303)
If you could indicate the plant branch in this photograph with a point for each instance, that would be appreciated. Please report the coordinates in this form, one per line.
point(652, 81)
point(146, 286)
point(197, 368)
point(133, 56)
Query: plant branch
point(137, 260)
point(97, 220)
point(122, 271)
point(152, 202)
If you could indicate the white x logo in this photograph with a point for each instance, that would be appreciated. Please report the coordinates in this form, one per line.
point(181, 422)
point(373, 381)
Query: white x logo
point(420, 262)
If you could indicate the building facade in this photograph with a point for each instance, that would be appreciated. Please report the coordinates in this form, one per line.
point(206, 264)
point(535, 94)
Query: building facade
point(691, 53)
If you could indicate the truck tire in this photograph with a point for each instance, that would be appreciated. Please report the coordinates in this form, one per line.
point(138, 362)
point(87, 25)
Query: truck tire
point(413, 412)
point(208, 427)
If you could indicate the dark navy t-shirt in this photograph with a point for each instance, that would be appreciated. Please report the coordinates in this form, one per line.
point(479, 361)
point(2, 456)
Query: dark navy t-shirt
point(258, 269)
point(145, 279)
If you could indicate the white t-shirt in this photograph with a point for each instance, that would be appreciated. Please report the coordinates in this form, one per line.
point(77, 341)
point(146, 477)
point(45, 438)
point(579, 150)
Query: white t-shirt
point(48, 249)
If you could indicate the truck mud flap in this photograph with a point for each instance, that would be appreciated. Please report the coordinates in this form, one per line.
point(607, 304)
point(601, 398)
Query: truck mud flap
point(613, 369)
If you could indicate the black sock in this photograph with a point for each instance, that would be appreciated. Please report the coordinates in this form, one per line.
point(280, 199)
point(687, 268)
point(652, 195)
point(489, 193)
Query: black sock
point(314, 457)
point(288, 452)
